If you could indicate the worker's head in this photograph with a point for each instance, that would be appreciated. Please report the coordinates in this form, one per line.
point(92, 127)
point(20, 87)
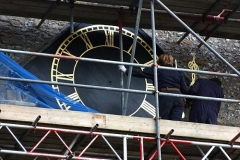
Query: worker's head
point(217, 81)
point(165, 60)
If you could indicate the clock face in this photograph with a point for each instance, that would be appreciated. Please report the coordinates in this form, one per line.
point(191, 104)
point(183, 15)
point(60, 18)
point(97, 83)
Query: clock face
point(102, 42)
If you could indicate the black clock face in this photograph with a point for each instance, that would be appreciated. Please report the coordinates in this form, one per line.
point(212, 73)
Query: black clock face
point(102, 42)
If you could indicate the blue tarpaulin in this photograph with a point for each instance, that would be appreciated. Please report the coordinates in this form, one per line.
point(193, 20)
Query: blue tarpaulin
point(32, 94)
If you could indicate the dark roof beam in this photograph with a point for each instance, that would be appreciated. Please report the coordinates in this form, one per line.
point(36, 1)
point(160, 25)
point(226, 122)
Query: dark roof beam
point(197, 22)
point(71, 6)
point(219, 25)
point(219, 18)
point(49, 11)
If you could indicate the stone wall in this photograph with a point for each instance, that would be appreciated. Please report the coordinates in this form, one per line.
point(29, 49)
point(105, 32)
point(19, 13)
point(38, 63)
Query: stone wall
point(22, 34)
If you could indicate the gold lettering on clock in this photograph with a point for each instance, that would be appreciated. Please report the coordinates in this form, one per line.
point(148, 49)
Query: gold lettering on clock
point(148, 108)
point(74, 96)
point(86, 40)
point(62, 76)
point(148, 63)
point(109, 37)
point(66, 52)
point(63, 105)
point(130, 49)
point(150, 87)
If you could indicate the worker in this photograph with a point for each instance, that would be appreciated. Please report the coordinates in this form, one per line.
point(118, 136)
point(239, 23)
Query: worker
point(205, 111)
point(169, 81)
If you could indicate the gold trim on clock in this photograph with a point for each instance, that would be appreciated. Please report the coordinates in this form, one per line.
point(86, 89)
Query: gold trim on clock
point(83, 33)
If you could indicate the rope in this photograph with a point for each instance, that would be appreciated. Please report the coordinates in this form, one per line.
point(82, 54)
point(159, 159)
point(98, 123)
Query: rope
point(193, 65)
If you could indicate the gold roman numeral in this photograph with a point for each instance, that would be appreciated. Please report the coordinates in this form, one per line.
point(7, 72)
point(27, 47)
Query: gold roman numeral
point(86, 40)
point(148, 63)
point(74, 96)
point(66, 52)
point(109, 37)
point(62, 76)
point(150, 87)
point(63, 105)
point(130, 49)
point(148, 108)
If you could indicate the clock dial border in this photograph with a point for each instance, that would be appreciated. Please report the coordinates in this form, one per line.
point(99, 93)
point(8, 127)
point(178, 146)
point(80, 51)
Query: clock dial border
point(110, 32)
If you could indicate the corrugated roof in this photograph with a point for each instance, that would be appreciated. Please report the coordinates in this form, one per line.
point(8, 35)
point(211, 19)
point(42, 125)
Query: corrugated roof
point(107, 12)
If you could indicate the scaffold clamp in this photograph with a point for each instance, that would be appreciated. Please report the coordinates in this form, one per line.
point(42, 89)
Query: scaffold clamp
point(134, 5)
point(71, 3)
point(158, 118)
point(167, 136)
point(34, 124)
point(94, 128)
point(155, 91)
point(155, 65)
point(69, 157)
point(234, 139)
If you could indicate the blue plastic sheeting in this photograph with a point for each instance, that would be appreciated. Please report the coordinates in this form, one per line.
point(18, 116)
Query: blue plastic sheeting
point(32, 94)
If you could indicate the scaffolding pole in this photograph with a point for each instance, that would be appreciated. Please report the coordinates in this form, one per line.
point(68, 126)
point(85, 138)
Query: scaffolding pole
point(157, 118)
point(121, 55)
point(115, 62)
point(118, 89)
point(51, 153)
point(132, 55)
point(197, 36)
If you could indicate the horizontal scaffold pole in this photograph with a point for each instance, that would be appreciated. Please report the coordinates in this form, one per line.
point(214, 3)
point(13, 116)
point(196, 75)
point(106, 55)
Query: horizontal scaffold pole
point(117, 89)
point(115, 62)
point(137, 137)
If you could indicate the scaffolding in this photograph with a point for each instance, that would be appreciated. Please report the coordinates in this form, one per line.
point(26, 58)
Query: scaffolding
point(69, 154)
point(71, 151)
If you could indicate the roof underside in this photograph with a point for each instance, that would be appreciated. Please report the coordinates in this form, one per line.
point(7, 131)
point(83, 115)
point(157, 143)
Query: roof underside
point(192, 12)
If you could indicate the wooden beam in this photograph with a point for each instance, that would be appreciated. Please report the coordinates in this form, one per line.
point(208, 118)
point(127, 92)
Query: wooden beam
point(117, 122)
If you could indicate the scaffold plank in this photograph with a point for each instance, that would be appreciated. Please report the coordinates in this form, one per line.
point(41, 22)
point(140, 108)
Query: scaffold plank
point(117, 123)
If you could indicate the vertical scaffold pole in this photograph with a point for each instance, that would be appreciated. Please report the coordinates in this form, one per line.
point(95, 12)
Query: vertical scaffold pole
point(155, 79)
point(71, 5)
point(124, 147)
point(197, 36)
point(132, 55)
point(121, 53)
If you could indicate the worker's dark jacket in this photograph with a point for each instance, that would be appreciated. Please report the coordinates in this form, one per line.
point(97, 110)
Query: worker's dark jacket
point(205, 111)
point(169, 107)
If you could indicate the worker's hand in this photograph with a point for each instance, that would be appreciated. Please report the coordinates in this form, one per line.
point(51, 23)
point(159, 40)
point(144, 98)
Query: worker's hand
point(184, 101)
point(122, 68)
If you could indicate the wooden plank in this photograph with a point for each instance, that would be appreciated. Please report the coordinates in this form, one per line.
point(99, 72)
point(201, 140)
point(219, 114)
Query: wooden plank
point(117, 123)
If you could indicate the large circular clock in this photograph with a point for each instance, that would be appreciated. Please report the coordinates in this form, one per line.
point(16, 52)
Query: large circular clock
point(102, 42)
